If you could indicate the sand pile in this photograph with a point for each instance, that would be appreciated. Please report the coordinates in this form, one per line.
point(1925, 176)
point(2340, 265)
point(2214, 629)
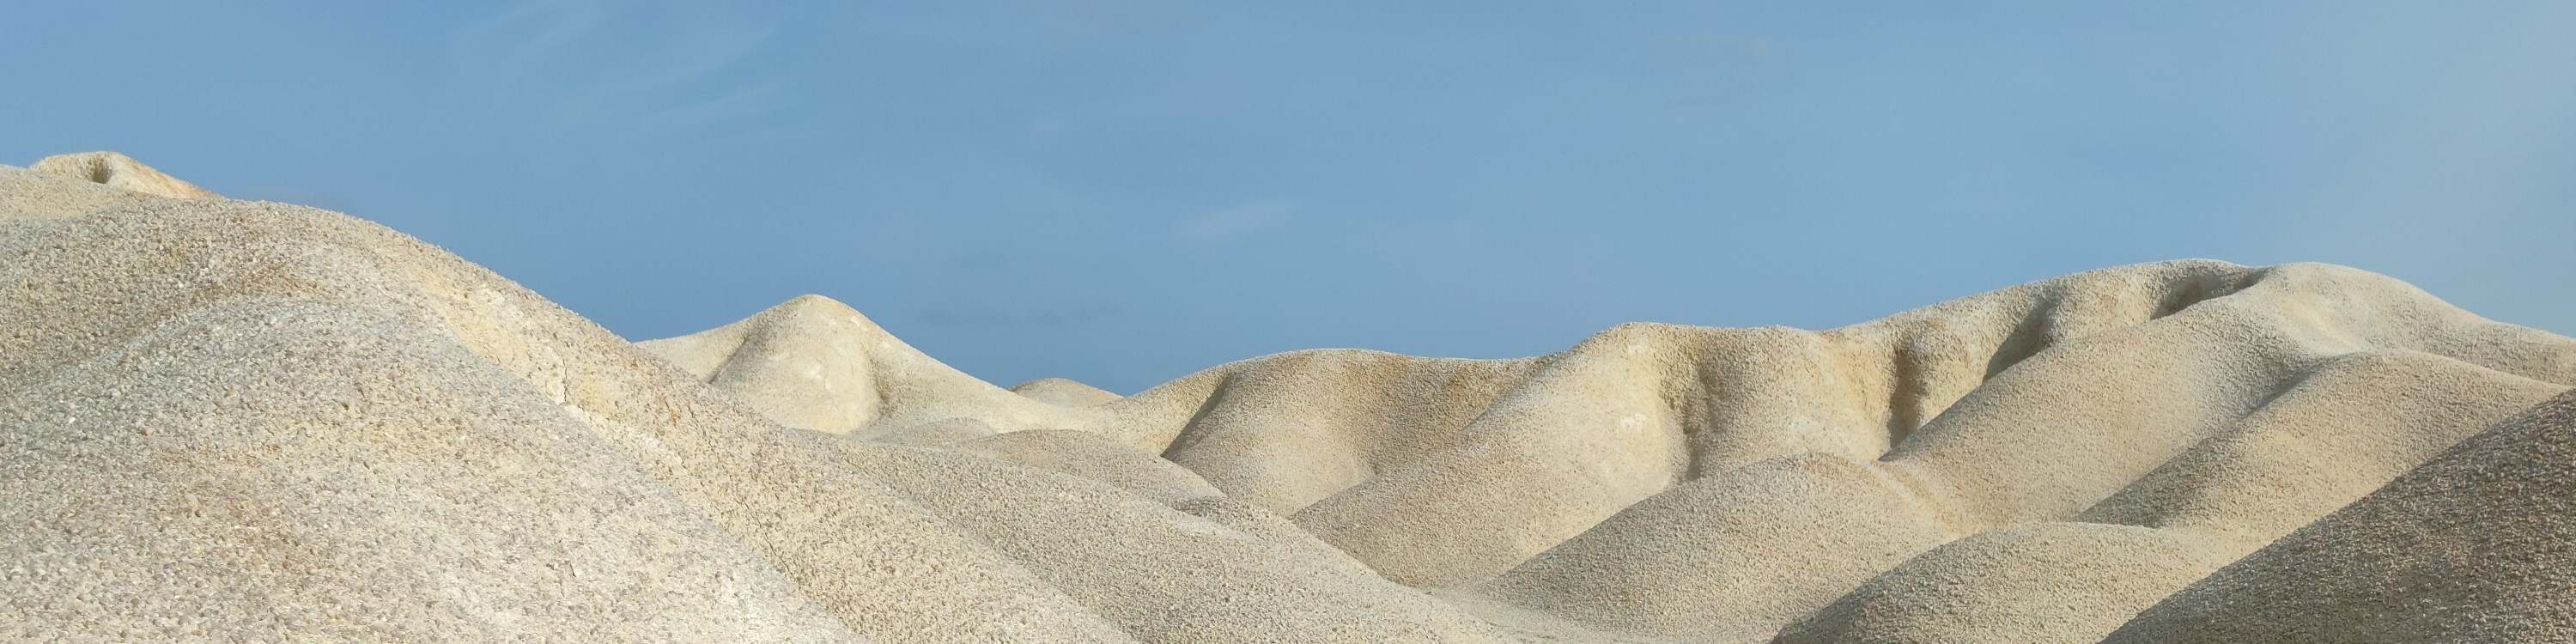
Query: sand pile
point(122, 172)
point(230, 420)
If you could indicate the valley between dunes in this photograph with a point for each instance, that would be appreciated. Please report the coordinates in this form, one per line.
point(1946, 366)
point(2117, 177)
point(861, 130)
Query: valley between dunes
point(232, 420)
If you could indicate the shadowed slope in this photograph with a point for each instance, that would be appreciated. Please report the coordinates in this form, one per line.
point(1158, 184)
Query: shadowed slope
point(2478, 545)
point(2345, 429)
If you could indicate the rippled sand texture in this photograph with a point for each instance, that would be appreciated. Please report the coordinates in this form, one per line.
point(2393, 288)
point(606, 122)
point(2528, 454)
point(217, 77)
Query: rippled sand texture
point(228, 420)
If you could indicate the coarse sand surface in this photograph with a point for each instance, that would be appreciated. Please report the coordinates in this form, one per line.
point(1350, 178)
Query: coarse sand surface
point(227, 420)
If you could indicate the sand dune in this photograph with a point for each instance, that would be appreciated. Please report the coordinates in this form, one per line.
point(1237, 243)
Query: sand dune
point(235, 420)
point(122, 172)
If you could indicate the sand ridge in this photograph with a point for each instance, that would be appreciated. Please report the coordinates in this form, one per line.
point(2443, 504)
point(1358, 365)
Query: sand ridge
point(226, 419)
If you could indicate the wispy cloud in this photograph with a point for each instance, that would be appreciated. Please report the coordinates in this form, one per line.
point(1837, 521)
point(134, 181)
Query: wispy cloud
point(1231, 224)
point(582, 73)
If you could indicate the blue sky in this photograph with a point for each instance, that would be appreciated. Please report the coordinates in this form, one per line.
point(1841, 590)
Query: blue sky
point(1124, 192)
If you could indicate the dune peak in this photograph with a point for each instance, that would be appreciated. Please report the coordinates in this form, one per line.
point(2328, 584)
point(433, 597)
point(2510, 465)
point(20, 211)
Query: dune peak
point(116, 170)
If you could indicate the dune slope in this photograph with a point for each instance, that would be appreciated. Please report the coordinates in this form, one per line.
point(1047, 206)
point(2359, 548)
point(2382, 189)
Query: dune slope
point(231, 420)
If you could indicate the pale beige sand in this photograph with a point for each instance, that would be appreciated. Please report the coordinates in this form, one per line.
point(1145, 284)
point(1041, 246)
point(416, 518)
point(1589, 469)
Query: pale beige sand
point(235, 420)
point(1063, 392)
point(2478, 545)
point(122, 172)
point(243, 420)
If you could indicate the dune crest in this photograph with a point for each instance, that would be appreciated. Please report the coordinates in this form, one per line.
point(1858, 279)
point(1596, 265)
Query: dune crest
point(121, 172)
point(231, 420)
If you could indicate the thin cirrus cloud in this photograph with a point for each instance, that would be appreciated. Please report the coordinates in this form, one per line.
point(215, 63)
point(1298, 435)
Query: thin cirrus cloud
point(577, 73)
point(1234, 224)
